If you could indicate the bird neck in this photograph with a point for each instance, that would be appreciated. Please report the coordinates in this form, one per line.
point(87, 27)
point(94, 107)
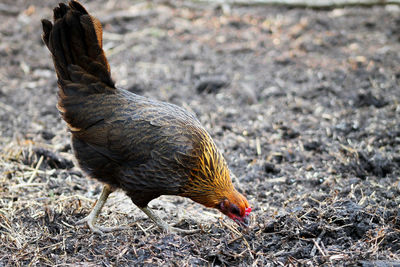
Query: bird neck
point(210, 192)
point(209, 181)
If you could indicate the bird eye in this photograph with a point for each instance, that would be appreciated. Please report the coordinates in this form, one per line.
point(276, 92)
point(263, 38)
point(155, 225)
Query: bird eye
point(235, 210)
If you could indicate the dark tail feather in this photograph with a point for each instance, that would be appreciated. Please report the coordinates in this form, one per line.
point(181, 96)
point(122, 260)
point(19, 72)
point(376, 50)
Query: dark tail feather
point(75, 42)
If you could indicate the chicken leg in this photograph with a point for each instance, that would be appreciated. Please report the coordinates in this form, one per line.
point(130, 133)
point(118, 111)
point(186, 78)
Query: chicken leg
point(107, 190)
point(92, 217)
point(163, 225)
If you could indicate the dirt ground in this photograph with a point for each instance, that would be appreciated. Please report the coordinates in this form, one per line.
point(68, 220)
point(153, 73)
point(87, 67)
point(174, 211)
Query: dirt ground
point(303, 103)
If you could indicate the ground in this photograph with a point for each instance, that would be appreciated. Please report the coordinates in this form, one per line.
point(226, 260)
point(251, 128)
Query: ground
point(303, 103)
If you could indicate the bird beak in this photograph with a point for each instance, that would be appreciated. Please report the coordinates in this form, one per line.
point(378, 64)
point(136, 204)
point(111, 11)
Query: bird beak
point(244, 221)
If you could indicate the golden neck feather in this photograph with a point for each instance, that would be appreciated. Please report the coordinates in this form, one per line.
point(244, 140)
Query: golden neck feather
point(210, 181)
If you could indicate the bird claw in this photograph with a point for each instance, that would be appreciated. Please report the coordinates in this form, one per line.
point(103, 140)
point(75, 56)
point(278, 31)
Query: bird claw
point(100, 230)
point(165, 226)
point(183, 231)
point(169, 229)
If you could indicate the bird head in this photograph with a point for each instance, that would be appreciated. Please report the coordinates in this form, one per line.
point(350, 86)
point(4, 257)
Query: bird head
point(210, 183)
point(237, 208)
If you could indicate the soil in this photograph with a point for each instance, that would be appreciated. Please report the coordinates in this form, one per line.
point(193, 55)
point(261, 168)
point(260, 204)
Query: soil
point(303, 103)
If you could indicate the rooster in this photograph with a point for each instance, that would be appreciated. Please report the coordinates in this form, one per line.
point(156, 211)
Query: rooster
point(145, 147)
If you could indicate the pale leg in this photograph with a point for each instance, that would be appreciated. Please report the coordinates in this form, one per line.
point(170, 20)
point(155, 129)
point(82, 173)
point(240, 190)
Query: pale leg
point(92, 217)
point(163, 225)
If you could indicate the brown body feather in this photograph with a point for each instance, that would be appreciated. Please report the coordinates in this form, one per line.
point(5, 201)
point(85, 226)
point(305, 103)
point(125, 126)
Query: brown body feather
point(145, 147)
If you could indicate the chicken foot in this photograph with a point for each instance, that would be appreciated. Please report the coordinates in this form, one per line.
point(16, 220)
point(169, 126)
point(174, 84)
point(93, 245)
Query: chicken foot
point(90, 220)
point(163, 225)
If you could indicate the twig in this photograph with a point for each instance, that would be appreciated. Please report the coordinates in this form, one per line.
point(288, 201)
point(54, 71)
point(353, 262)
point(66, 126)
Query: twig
point(36, 169)
point(27, 184)
point(51, 246)
point(319, 248)
point(240, 236)
point(66, 224)
point(258, 146)
point(316, 246)
point(141, 228)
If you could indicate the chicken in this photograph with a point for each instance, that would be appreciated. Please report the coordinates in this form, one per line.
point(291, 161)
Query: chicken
point(145, 147)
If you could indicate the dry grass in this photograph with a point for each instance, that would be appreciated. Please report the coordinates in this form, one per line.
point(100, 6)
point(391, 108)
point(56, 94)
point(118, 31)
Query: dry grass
point(40, 204)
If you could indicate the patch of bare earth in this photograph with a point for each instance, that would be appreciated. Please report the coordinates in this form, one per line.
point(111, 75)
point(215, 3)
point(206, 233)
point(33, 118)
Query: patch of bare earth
point(303, 103)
